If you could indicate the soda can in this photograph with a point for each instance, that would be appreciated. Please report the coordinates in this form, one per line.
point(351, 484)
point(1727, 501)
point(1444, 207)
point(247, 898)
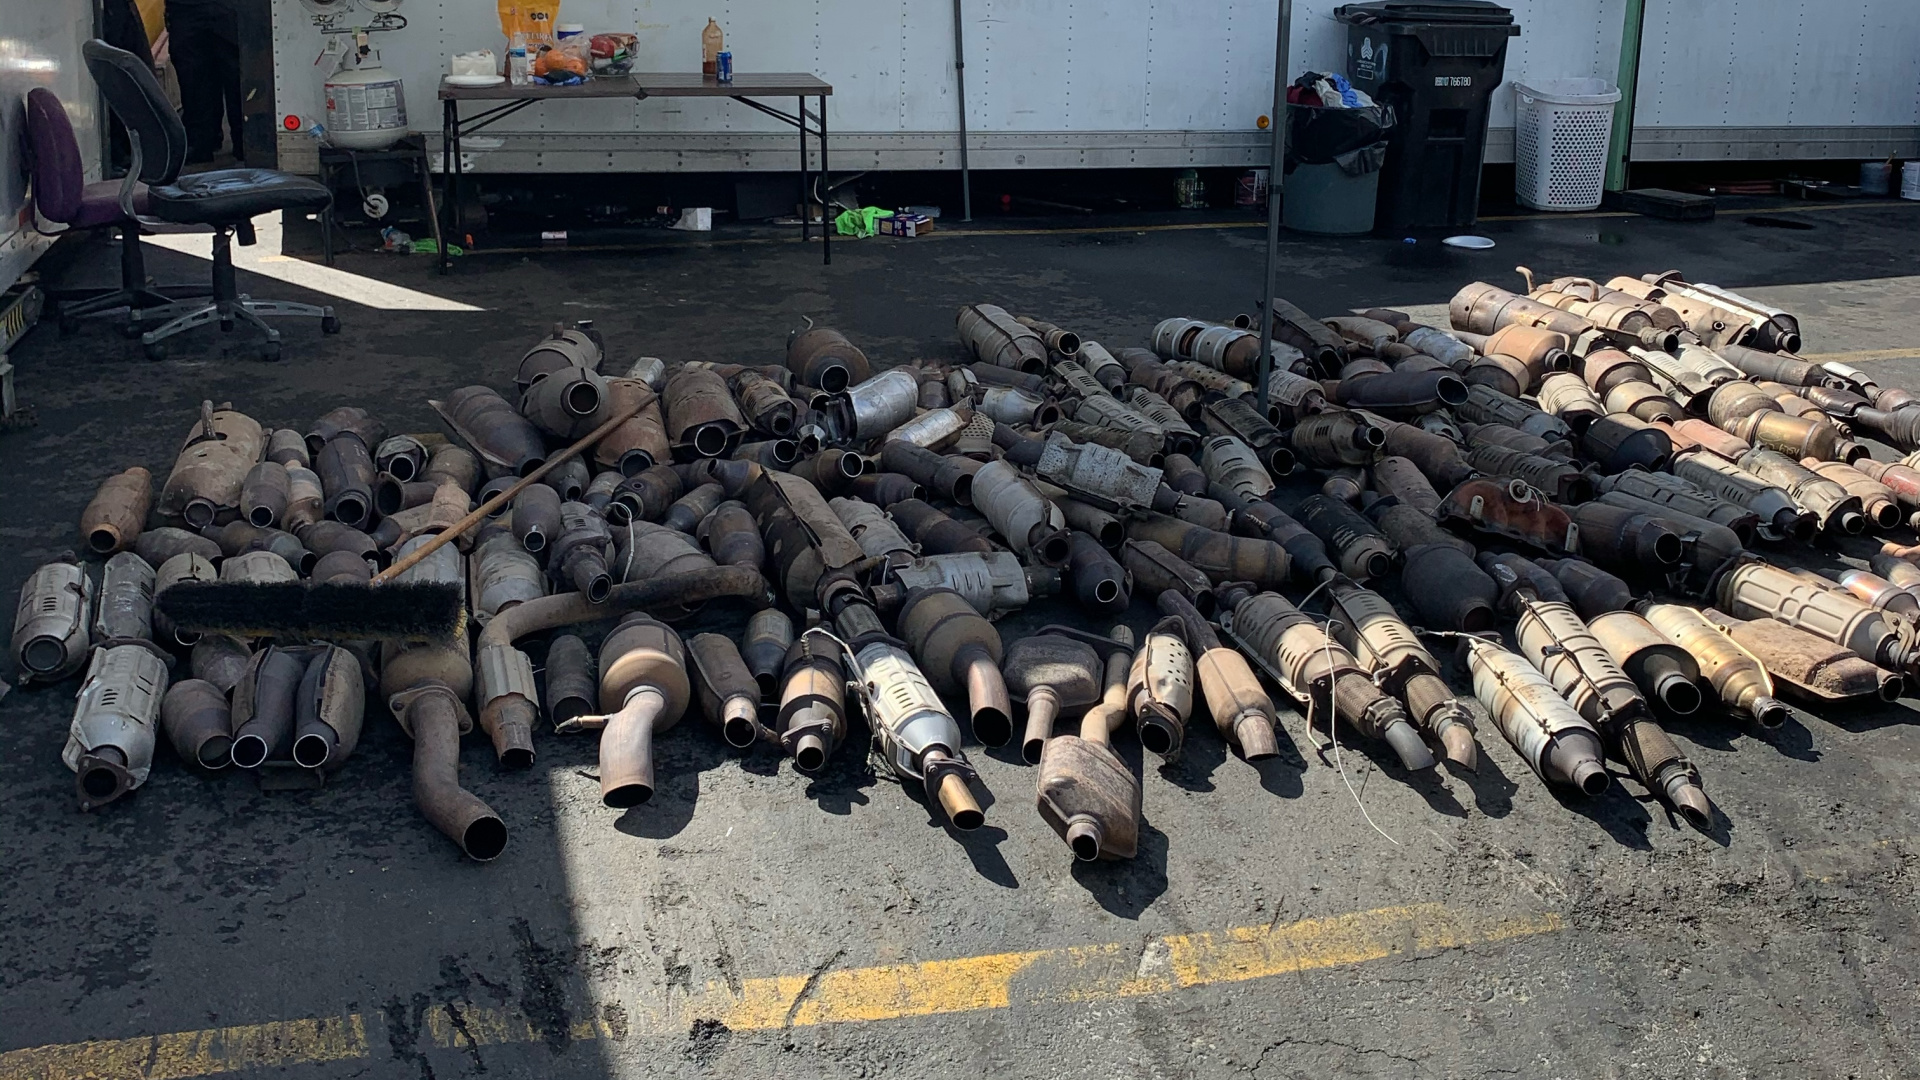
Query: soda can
point(723, 67)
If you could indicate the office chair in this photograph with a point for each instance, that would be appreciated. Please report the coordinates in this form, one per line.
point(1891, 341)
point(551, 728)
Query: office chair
point(225, 200)
point(62, 195)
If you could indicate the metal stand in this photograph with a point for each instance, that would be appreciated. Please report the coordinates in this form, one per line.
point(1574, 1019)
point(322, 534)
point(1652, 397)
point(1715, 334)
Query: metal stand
point(1275, 181)
point(228, 306)
point(412, 150)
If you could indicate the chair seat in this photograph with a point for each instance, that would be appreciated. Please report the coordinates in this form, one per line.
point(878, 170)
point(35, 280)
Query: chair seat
point(226, 196)
point(100, 204)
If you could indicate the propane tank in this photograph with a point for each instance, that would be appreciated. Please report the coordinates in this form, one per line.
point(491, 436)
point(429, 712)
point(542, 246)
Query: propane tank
point(366, 105)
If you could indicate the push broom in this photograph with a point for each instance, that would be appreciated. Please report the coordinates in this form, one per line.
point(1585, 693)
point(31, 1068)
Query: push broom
point(383, 608)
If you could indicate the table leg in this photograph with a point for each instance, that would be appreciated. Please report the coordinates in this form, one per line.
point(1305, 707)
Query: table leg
point(826, 184)
point(433, 213)
point(806, 195)
point(449, 134)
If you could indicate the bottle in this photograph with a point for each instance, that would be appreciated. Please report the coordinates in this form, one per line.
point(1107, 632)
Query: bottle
point(518, 72)
point(712, 40)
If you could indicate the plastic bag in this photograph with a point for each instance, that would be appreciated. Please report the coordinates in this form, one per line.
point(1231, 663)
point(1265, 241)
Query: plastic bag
point(1318, 136)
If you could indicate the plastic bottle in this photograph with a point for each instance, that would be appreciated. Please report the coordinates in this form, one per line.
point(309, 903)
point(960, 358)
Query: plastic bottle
point(712, 40)
point(517, 71)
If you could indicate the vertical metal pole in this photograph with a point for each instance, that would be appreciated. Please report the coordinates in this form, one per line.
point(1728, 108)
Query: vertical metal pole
point(1622, 145)
point(1278, 126)
point(960, 88)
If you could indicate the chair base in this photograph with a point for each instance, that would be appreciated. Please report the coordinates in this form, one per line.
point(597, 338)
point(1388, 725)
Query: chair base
point(136, 290)
point(228, 305)
point(184, 316)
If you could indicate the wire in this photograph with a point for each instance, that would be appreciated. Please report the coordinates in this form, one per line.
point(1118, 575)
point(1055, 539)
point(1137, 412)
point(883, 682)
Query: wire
point(1333, 738)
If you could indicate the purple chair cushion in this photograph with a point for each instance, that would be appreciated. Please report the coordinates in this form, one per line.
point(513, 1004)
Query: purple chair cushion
point(100, 204)
point(60, 190)
point(59, 181)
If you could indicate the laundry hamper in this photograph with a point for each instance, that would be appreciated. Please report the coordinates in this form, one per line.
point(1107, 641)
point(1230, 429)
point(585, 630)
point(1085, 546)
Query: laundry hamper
point(1561, 130)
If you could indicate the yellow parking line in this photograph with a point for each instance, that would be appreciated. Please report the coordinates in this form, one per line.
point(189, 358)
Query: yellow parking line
point(186, 1054)
point(1860, 355)
point(1077, 974)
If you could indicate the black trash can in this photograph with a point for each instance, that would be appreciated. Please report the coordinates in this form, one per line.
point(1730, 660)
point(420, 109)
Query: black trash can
point(1437, 63)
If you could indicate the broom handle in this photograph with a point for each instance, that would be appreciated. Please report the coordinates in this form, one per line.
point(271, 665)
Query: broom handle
point(405, 562)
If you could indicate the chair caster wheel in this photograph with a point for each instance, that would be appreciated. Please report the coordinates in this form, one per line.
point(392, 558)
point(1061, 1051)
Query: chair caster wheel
point(270, 352)
point(154, 350)
point(329, 324)
point(130, 331)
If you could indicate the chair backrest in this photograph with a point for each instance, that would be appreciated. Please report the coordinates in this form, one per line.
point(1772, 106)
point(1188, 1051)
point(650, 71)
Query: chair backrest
point(135, 97)
point(59, 179)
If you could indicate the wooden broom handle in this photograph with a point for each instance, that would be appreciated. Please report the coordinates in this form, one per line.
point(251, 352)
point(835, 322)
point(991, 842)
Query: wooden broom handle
point(406, 562)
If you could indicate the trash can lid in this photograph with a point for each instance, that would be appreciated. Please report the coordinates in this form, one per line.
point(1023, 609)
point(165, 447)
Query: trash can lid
point(1477, 12)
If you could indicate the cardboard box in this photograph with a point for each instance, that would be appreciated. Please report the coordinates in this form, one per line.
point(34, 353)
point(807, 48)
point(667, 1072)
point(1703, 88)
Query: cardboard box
point(905, 225)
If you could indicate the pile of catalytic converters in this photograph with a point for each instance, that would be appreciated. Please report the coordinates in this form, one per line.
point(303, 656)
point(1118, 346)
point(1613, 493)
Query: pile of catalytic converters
point(1596, 463)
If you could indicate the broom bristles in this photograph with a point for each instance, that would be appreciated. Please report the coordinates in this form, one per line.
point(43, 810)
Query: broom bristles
point(412, 611)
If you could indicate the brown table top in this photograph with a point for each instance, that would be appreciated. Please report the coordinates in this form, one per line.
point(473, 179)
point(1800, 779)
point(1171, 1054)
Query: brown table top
point(642, 84)
point(744, 84)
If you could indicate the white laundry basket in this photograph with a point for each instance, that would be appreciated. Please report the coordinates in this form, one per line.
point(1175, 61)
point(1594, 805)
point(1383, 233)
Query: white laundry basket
point(1561, 130)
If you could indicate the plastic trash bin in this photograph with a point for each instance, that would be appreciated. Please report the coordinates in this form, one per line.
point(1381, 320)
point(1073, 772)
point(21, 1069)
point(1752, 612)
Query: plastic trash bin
point(1561, 131)
point(1437, 64)
point(1333, 168)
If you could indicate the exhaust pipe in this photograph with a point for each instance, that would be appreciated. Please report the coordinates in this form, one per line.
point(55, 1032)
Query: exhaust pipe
point(1735, 674)
point(1369, 627)
point(638, 443)
point(1220, 556)
point(812, 718)
point(578, 555)
point(118, 511)
point(729, 696)
point(110, 742)
point(935, 532)
point(1833, 508)
point(1100, 584)
point(1085, 791)
point(959, 650)
point(822, 356)
point(573, 690)
point(1055, 675)
point(643, 690)
point(1780, 518)
point(764, 648)
point(701, 414)
point(1362, 551)
point(498, 433)
point(212, 464)
point(434, 715)
point(1554, 640)
point(1160, 689)
point(1155, 570)
point(1810, 668)
point(1662, 670)
point(1317, 671)
point(50, 631)
point(195, 716)
point(1555, 740)
point(915, 734)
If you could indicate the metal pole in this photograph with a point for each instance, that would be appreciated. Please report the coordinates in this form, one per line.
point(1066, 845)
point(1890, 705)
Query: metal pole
point(1617, 154)
point(960, 84)
point(1278, 126)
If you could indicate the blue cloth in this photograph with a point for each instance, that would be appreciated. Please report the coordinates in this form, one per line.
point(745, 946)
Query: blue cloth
point(1348, 96)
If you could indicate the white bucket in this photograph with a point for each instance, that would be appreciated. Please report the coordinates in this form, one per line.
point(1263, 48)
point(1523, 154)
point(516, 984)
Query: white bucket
point(1910, 180)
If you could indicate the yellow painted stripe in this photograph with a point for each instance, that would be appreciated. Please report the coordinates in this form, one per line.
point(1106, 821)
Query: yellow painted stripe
point(1104, 972)
point(1093, 973)
point(1860, 355)
point(194, 1053)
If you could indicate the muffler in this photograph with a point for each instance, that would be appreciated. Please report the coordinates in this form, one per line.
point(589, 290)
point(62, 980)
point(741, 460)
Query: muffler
point(701, 414)
point(1085, 791)
point(110, 741)
point(1369, 627)
point(729, 696)
point(118, 511)
point(997, 338)
point(1032, 526)
point(812, 718)
point(1554, 739)
point(50, 625)
point(822, 356)
point(196, 719)
point(1317, 671)
point(1735, 674)
point(212, 464)
point(958, 649)
point(644, 690)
